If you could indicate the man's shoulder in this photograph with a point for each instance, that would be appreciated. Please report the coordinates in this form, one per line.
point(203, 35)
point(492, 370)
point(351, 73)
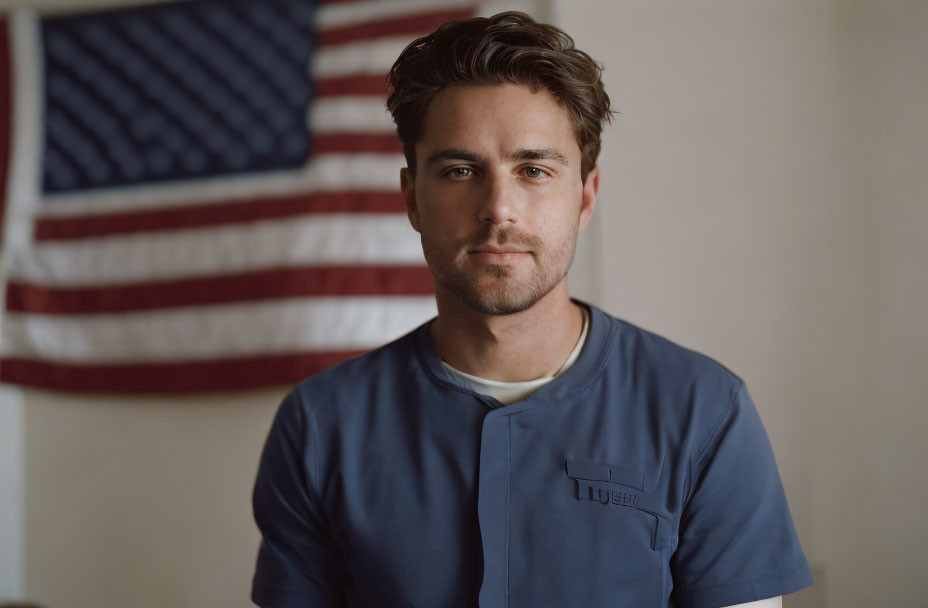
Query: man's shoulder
point(646, 351)
point(686, 393)
point(667, 368)
point(375, 370)
point(662, 355)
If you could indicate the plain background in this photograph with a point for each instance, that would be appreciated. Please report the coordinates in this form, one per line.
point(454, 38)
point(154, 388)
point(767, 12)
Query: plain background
point(763, 200)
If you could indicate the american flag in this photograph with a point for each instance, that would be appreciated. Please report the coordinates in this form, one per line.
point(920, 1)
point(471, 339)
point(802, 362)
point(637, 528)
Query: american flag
point(171, 224)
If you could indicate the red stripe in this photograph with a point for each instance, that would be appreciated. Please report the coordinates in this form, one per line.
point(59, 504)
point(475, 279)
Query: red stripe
point(387, 143)
point(5, 109)
point(352, 85)
point(184, 376)
point(215, 214)
point(263, 285)
point(417, 23)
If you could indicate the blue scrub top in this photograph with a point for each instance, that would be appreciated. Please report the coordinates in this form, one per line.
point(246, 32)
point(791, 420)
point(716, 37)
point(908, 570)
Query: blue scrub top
point(642, 477)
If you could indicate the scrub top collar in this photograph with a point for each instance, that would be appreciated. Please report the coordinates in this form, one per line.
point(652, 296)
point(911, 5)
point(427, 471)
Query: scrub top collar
point(588, 365)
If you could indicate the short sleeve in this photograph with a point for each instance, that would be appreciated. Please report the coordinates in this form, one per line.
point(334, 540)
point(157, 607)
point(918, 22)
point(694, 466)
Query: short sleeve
point(298, 562)
point(737, 541)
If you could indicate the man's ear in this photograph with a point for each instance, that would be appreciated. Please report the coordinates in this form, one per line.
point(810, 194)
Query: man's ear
point(588, 198)
point(408, 186)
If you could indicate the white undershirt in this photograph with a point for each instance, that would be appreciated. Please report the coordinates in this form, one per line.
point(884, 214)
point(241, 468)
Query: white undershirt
point(510, 392)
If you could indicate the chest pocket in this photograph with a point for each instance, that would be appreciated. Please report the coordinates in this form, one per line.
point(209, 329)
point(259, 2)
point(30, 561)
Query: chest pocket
point(612, 486)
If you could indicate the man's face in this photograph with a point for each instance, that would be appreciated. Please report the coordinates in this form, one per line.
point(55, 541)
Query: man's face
point(497, 196)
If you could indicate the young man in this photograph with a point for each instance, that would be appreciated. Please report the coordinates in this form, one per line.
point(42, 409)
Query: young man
point(522, 449)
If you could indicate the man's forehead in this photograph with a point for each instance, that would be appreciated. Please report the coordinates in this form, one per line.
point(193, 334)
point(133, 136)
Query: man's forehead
point(516, 121)
point(482, 98)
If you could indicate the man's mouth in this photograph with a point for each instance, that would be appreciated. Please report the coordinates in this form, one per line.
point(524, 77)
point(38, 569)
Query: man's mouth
point(500, 250)
point(498, 255)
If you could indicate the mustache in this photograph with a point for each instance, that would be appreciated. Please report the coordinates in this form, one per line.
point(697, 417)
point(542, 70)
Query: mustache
point(492, 233)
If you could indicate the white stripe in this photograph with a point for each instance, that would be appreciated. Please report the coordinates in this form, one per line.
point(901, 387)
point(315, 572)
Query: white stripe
point(337, 15)
point(338, 172)
point(209, 332)
point(375, 56)
point(312, 240)
point(350, 115)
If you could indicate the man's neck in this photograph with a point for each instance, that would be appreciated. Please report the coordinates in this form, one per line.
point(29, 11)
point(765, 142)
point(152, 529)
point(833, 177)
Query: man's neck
point(523, 346)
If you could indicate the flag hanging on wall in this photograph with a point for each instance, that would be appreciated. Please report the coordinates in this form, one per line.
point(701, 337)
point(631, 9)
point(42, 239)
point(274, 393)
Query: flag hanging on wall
point(204, 195)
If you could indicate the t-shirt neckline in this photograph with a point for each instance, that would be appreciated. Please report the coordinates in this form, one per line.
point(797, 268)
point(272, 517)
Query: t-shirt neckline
point(588, 364)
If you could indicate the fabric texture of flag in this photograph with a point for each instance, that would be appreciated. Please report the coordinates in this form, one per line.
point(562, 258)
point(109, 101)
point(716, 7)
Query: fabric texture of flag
point(204, 195)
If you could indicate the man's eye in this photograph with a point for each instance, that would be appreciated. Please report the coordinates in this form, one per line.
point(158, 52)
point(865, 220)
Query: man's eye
point(460, 172)
point(534, 172)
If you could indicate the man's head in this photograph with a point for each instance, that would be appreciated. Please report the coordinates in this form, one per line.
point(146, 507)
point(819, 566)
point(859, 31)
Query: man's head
point(508, 48)
point(500, 120)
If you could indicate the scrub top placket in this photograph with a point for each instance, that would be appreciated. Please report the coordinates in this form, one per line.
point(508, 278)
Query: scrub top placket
point(493, 507)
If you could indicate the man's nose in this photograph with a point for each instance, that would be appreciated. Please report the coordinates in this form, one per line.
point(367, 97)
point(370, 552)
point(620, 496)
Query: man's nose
point(500, 202)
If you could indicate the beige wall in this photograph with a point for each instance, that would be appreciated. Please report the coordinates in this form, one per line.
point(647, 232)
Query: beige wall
point(763, 201)
point(11, 493)
point(873, 487)
point(142, 502)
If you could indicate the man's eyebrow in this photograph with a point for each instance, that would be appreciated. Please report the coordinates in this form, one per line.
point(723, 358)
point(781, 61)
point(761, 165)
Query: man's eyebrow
point(543, 154)
point(454, 154)
point(520, 154)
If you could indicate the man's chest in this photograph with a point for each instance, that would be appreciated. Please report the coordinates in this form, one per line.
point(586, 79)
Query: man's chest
point(546, 506)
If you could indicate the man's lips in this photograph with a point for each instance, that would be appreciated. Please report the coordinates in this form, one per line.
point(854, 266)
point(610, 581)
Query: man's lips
point(497, 250)
point(498, 255)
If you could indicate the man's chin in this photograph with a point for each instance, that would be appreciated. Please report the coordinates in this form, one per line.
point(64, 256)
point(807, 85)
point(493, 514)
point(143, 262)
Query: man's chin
point(497, 308)
point(497, 271)
point(492, 289)
point(498, 299)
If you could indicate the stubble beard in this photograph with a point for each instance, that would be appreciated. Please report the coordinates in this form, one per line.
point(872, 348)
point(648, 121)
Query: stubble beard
point(494, 289)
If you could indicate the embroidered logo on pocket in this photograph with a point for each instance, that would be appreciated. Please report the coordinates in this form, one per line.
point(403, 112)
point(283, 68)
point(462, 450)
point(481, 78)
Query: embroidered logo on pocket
point(588, 491)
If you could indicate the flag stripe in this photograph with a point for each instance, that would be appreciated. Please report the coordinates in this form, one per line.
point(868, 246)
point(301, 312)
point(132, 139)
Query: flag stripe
point(181, 376)
point(332, 17)
point(326, 172)
point(317, 240)
point(356, 115)
point(342, 143)
point(399, 25)
point(216, 214)
point(275, 283)
point(364, 84)
point(364, 57)
point(214, 331)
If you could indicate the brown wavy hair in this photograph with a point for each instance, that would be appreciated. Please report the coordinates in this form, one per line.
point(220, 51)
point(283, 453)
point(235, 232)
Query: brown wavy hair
point(509, 47)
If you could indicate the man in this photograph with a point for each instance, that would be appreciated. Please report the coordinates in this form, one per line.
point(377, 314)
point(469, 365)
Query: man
point(522, 449)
